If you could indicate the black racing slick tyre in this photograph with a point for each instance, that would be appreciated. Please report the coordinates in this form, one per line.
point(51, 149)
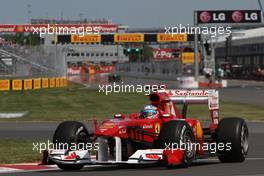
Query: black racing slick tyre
point(70, 167)
point(233, 132)
point(67, 134)
point(174, 133)
point(71, 132)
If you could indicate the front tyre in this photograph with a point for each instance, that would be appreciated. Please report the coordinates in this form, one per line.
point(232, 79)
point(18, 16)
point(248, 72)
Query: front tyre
point(69, 133)
point(233, 131)
point(70, 167)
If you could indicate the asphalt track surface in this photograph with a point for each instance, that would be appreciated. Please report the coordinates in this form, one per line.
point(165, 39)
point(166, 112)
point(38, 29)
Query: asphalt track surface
point(253, 166)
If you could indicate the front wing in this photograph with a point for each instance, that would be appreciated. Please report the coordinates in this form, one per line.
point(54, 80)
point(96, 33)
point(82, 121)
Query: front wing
point(148, 156)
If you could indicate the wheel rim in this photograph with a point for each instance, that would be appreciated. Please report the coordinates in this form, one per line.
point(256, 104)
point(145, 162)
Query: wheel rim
point(244, 140)
point(187, 140)
point(82, 137)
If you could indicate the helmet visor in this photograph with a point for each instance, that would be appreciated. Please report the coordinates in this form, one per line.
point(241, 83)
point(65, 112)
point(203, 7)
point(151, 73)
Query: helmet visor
point(148, 112)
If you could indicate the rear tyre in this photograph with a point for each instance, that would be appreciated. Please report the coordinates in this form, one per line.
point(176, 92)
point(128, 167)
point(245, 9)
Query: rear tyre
point(70, 132)
point(235, 132)
point(176, 132)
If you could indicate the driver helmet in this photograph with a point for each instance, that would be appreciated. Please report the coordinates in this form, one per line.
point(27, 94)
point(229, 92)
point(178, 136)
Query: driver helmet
point(149, 111)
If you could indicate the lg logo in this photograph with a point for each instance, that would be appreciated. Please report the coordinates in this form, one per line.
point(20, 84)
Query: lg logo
point(205, 17)
point(238, 16)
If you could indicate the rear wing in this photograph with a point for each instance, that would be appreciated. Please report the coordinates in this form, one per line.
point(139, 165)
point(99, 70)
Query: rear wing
point(194, 96)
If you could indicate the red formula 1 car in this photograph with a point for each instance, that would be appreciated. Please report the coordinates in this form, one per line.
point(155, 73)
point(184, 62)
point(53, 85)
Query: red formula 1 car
point(159, 134)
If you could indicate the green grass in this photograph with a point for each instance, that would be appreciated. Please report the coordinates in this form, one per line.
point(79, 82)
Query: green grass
point(78, 103)
point(72, 103)
point(18, 151)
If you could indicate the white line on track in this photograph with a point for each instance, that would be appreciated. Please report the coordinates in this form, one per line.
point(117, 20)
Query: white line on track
point(8, 170)
point(250, 175)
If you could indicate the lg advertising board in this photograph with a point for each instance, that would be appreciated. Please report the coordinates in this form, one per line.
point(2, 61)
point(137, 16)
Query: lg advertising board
point(229, 16)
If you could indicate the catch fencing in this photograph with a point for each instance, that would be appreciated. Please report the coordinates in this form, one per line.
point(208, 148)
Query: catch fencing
point(32, 61)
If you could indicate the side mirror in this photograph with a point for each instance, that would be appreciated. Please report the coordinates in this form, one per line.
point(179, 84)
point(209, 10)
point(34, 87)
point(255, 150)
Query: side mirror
point(165, 115)
point(119, 116)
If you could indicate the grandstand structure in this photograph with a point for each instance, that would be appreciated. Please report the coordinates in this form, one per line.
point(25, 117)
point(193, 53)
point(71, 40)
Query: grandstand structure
point(243, 47)
point(96, 53)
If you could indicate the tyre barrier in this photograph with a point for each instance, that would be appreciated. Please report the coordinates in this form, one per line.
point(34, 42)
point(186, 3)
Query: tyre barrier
point(32, 84)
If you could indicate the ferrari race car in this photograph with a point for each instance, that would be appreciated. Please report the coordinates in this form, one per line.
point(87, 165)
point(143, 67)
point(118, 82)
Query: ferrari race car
point(160, 134)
